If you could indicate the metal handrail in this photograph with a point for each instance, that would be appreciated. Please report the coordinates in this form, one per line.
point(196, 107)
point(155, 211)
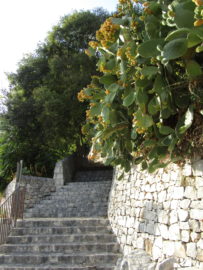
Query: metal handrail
point(12, 208)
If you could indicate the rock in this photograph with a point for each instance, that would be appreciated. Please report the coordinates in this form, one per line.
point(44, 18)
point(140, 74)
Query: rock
point(185, 203)
point(163, 217)
point(162, 196)
point(167, 264)
point(163, 231)
point(200, 193)
point(196, 214)
point(187, 170)
point(200, 244)
point(191, 250)
point(184, 225)
point(197, 168)
point(173, 217)
point(140, 243)
point(183, 215)
point(178, 192)
point(174, 232)
point(168, 248)
point(190, 193)
point(200, 255)
point(152, 266)
point(195, 236)
point(130, 222)
point(199, 181)
point(136, 260)
point(194, 225)
point(156, 252)
point(179, 250)
point(185, 236)
point(148, 246)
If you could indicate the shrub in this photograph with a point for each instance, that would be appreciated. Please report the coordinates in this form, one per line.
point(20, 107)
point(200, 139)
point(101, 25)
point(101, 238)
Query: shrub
point(147, 106)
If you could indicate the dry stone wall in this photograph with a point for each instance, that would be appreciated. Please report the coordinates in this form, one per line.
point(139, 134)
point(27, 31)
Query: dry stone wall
point(161, 213)
point(36, 189)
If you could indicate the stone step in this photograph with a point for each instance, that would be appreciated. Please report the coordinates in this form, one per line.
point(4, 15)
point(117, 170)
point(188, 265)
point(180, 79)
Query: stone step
point(85, 186)
point(76, 194)
point(88, 184)
point(68, 208)
point(66, 238)
point(61, 230)
point(55, 259)
point(61, 222)
point(65, 204)
point(73, 199)
point(74, 213)
point(59, 267)
point(111, 247)
point(71, 193)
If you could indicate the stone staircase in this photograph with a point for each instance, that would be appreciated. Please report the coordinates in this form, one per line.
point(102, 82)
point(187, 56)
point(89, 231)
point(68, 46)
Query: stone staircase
point(68, 230)
point(78, 199)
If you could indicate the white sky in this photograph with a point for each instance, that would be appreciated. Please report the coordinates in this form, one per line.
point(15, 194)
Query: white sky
point(24, 23)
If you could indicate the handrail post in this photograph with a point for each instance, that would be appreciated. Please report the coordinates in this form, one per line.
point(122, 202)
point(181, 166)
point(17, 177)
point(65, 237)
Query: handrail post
point(19, 173)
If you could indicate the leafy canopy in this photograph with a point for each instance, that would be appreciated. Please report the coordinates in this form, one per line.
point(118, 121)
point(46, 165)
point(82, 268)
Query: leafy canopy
point(43, 119)
point(146, 108)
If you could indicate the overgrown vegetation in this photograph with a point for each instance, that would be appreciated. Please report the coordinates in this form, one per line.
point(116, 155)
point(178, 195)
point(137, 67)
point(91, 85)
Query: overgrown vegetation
point(43, 119)
point(147, 106)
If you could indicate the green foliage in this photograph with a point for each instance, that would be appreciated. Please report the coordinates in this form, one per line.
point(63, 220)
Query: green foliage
point(43, 119)
point(151, 57)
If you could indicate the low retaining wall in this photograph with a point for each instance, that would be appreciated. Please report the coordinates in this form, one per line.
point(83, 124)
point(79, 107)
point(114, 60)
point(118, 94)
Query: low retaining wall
point(36, 189)
point(161, 213)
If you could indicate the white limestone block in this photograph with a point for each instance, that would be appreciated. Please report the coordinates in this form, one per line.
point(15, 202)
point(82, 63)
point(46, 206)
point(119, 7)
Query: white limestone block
point(190, 193)
point(168, 248)
point(200, 255)
point(173, 217)
point(199, 181)
point(200, 193)
point(187, 170)
point(184, 225)
point(179, 250)
point(175, 204)
point(163, 217)
point(164, 231)
point(184, 204)
point(156, 252)
point(196, 214)
point(200, 244)
point(197, 168)
point(194, 225)
point(178, 192)
point(174, 232)
point(197, 204)
point(195, 236)
point(191, 250)
point(183, 215)
point(162, 196)
point(185, 236)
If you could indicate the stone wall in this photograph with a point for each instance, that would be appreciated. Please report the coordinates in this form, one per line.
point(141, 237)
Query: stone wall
point(161, 213)
point(36, 189)
point(64, 171)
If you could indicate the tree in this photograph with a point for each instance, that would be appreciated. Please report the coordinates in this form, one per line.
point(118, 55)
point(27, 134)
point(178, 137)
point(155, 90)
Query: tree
point(43, 117)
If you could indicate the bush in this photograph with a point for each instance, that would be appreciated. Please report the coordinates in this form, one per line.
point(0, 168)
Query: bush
point(147, 106)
